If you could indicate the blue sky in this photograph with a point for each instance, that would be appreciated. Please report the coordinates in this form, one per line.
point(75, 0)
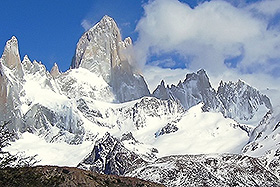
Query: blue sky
point(48, 31)
point(228, 38)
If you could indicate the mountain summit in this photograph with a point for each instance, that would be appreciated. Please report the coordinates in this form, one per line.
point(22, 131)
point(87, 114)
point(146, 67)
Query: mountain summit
point(10, 72)
point(102, 51)
point(10, 56)
point(238, 100)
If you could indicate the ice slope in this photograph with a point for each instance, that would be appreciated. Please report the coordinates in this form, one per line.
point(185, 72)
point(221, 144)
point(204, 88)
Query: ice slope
point(40, 88)
point(58, 153)
point(264, 141)
point(202, 133)
point(76, 83)
point(265, 136)
point(197, 133)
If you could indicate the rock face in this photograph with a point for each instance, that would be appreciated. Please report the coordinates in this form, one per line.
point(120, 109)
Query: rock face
point(207, 170)
point(3, 93)
point(109, 156)
point(55, 71)
point(194, 89)
point(10, 56)
point(265, 140)
point(54, 126)
point(10, 73)
point(101, 51)
point(238, 101)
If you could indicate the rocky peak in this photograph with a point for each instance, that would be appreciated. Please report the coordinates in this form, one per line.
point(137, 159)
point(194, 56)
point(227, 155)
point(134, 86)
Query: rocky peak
point(240, 101)
point(109, 156)
point(127, 41)
point(102, 51)
point(10, 83)
point(194, 89)
point(11, 53)
point(200, 77)
point(26, 60)
point(34, 67)
point(27, 64)
point(98, 44)
point(11, 57)
point(108, 23)
point(162, 83)
point(161, 91)
point(236, 100)
point(55, 71)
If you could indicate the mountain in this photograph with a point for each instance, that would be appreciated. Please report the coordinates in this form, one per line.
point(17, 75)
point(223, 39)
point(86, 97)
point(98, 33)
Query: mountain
point(109, 156)
point(241, 101)
point(207, 170)
point(265, 140)
point(238, 100)
point(101, 51)
point(99, 115)
point(10, 74)
point(30, 98)
point(10, 57)
point(194, 89)
point(55, 71)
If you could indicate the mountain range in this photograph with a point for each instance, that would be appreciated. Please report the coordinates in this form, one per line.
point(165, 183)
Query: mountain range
point(100, 115)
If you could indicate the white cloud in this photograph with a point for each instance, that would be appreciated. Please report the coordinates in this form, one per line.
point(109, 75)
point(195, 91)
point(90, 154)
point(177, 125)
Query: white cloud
point(166, 63)
point(154, 75)
point(267, 7)
point(211, 33)
point(86, 24)
point(264, 82)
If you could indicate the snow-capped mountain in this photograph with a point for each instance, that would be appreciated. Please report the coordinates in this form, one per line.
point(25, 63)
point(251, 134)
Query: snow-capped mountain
point(101, 51)
point(110, 156)
point(265, 139)
point(101, 116)
point(207, 170)
point(238, 100)
point(194, 89)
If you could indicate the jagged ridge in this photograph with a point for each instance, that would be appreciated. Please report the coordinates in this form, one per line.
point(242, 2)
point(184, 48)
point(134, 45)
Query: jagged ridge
point(238, 101)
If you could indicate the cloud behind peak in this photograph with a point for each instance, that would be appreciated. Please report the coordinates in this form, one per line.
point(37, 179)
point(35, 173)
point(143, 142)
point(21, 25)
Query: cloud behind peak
point(211, 33)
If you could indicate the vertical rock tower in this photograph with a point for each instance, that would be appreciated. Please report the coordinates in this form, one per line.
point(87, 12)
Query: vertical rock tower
point(102, 51)
point(10, 65)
